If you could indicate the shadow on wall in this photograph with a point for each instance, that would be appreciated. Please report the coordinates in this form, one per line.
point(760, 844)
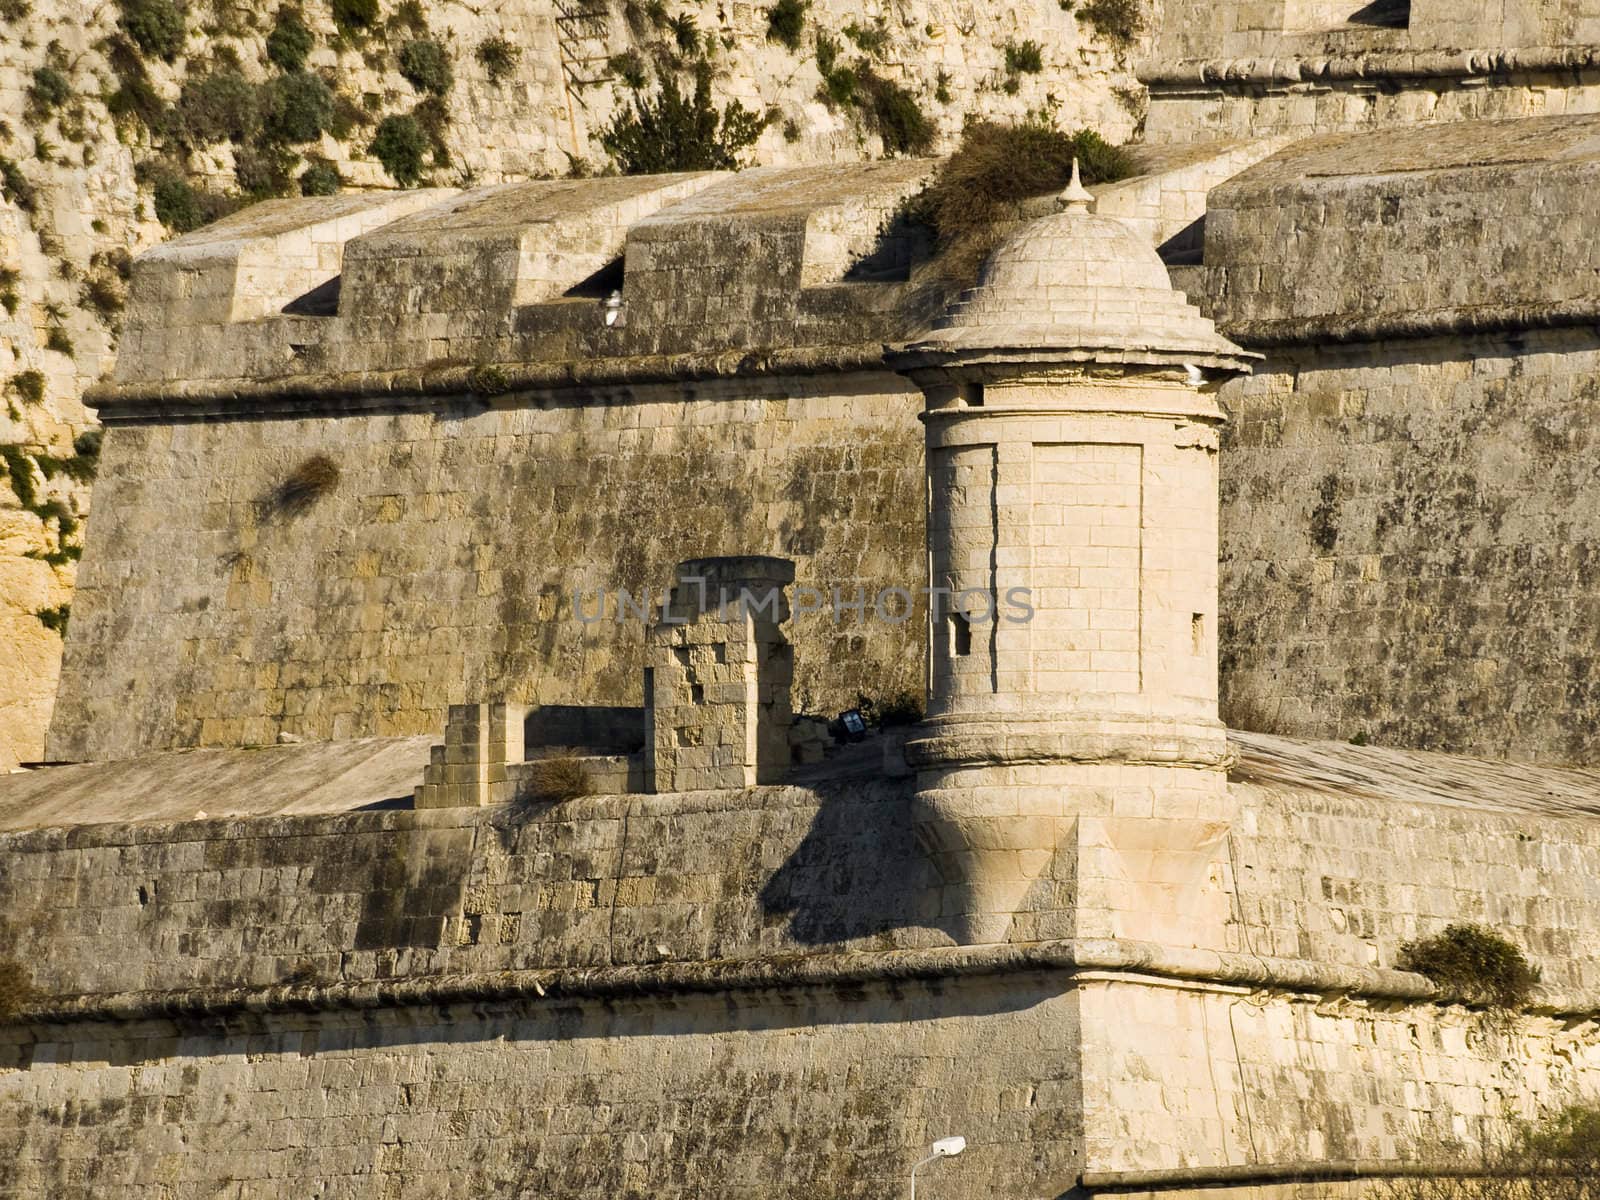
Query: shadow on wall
point(857, 874)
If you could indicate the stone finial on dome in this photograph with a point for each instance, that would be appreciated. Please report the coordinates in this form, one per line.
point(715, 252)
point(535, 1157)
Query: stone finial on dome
point(1075, 198)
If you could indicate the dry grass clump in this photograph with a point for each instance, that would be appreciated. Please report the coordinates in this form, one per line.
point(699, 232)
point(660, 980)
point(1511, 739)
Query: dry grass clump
point(16, 989)
point(552, 780)
point(306, 484)
point(1555, 1158)
point(978, 194)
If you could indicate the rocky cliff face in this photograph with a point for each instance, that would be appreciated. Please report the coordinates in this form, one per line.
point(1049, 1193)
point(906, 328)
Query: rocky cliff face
point(123, 123)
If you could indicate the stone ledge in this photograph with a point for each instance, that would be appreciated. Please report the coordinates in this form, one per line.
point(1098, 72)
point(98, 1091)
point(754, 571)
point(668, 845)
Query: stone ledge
point(1304, 1171)
point(1121, 957)
point(355, 391)
point(1410, 326)
point(1374, 67)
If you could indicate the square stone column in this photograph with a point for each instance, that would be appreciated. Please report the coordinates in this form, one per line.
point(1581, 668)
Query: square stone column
point(717, 677)
point(470, 768)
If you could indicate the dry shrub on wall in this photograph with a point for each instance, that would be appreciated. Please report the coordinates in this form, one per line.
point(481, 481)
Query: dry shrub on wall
point(977, 196)
point(305, 485)
point(16, 989)
point(552, 780)
point(1472, 962)
point(1554, 1158)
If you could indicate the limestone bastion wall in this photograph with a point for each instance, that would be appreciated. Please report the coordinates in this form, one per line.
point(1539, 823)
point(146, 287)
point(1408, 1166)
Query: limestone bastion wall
point(1409, 529)
point(716, 994)
point(84, 164)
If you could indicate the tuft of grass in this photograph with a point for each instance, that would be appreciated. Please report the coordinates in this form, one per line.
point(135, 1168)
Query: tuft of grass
point(49, 90)
point(401, 146)
point(409, 15)
point(488, 380)
point(977, 195)
point(1024, 58)
point(426, 67)
point(29, 386)
point(1473, 962)
point(629, 68)
point(56, 618)
point(498, 58)
point(156, 26)
point(14, 186)
point(684, 33)
point(1118, 21)
point(309, 482)
point(58, 339)
point(839, 82)
point(16, 989)
point(552, 780)
point(786, 23)
point(291, 41)
point(673, 132)
point(873, 41)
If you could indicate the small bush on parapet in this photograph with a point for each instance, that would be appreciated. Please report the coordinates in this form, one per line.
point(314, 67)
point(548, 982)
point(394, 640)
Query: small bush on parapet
point(978, 193)
point(320, 178)
point(890, 712)
point(16, 989)
point(1024, 58)
point(498, 58)
point(786, 22)
point(305, 485)
point(552, 780)
point(295, 109)
point(1556, 1157)
point(674, 132)
point(1474, 963)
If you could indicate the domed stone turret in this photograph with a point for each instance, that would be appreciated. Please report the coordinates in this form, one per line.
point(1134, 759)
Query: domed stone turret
point(1072, 537)
point(1079, 287)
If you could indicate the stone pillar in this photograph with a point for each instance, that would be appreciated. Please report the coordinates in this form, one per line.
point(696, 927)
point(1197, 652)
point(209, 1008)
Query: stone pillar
point(717, 677)
point(480, 741)
point(1071, 769)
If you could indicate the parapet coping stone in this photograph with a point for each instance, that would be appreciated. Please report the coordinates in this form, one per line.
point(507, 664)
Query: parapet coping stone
point(1085, 959)
point(1372, 67)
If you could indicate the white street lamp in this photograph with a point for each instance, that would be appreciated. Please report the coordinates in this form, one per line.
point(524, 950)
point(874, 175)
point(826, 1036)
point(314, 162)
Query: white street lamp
point(947, 1147)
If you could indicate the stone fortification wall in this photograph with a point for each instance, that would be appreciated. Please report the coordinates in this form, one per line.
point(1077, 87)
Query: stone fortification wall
point(1303, 67)
point(1409, 546)
point(121, 146)
point(716, 994)
point(1407, 533)
point(730, 877)
point(441, 568)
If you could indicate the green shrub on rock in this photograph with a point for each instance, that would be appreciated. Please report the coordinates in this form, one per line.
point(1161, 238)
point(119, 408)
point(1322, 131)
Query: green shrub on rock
point(895, 114)
point(786, 22)
point(221, 106)
point(426, 66)
point(296, 108)
point(401, 146)
point(49, 90)
point(290, 42)
point(354, 15)
point(673, 132)
point(498, 57)
point(156, 26)
point(263, 170)
point(321, 178)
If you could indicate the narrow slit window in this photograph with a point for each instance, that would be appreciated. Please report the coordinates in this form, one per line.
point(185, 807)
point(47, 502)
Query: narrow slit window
point(1197, 631)
point(960, 636)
